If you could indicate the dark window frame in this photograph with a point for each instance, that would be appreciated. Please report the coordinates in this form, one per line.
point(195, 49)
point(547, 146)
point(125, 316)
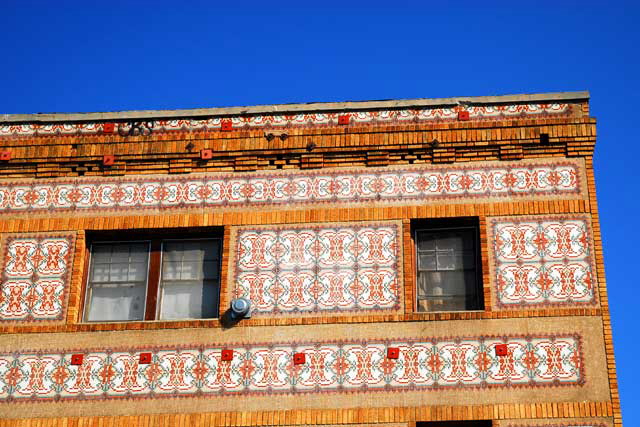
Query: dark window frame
point(466, 423)
point(448, 224)
point(154, 266)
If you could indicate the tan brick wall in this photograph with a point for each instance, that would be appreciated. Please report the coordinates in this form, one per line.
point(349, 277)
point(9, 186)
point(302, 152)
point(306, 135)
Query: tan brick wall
point(356, 147)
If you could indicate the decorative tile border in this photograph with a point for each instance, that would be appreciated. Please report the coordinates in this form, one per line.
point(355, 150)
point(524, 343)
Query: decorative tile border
point(318, 268)
point(543, 261)
point(321, 119)
point(259, 369)
point(338, 186)
point(35, 277)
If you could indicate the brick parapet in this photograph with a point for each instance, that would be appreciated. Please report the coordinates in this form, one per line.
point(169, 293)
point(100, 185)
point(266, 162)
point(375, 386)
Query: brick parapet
point(43, 157)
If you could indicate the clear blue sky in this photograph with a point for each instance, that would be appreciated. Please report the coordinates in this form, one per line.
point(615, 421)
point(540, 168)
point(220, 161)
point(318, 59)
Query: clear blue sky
point(70, 56)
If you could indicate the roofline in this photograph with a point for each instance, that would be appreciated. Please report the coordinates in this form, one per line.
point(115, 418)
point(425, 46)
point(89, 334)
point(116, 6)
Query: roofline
point(293, 108)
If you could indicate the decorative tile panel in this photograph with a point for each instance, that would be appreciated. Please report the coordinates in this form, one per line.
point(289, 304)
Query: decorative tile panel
point(360, 118)
point(347, 366)
point(35, 277)
point(319, 268)
point(453, 183)
point(543, 261)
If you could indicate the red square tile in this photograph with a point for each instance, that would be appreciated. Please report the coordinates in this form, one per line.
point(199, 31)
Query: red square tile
point(108, 160)
point(393, 353)
point(226, 124)
point(502, 350)
point(145, 358)
point(343, 119)
point(299, 358)
point(5, 156)
point(77, 359)
point(108, 127)
point(227, 355)
point(463, 116)
point(206, 154)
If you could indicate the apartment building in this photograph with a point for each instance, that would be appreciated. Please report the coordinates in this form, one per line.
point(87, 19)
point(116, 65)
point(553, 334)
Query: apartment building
point(424, 262)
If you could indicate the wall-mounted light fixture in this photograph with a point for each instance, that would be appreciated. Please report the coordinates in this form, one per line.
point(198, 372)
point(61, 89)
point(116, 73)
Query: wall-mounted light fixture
point(240, 309)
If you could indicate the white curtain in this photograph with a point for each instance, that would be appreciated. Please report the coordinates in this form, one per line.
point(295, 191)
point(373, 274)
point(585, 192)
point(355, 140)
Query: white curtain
point(118, 281)
point(189, 279)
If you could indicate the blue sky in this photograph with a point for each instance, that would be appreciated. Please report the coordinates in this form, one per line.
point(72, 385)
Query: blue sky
point(72, 56)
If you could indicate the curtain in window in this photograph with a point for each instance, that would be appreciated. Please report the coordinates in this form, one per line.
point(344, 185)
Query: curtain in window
point(189, 286)
point(446, 270)
point(117, 281)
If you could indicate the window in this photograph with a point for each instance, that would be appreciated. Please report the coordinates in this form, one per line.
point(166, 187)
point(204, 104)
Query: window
point(478, 423)
point(118, 281)
point(448, 270)
point(151, 278)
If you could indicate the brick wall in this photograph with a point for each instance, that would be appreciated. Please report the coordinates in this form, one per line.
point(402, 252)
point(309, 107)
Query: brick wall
point(528, 192)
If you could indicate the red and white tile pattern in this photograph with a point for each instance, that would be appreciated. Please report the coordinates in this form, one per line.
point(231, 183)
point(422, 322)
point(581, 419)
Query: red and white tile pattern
point(318, 269)
point(423, 364)
point(338, 186)
point(35, 278)
point(543, 261)
point(378, 117)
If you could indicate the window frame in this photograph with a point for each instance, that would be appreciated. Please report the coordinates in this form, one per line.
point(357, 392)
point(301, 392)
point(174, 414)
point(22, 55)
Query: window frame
point(158, 302)
point(449, 224)
point(88, 289)
point(155, 238)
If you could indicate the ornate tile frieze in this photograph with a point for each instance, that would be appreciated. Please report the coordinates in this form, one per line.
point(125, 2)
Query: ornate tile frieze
point(36, 271)
point(453, 183)
point(312, 269)
point(543, 261)
point(266, 121)
point(269, 368)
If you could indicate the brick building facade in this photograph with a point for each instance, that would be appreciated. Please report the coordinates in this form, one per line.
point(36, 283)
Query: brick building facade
point(408, 263)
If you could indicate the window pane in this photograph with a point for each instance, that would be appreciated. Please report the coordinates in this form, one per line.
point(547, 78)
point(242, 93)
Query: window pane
point(443, 304)
point(211, 270)
point(117, 283)
point(118, 272)
point(450, 241)
point(172, 251)
point(101, 253)
point(188, 300)
point(191, 270)
point(171, 270)
point(192, 253)
point(189, 286)
point(439, 283)
point(137, 272)
point(100, 273)
point(427, 261)
point(117, 302)
point(212, 251)
point(426, 241)
point(446, 260)
point(120, 253)
point(446, 279)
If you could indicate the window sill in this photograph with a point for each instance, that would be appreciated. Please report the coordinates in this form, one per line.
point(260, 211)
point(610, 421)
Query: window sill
point(131, 322)
point(422, 316)
point(449, 312)
point(259, 322)
point(148, 324)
